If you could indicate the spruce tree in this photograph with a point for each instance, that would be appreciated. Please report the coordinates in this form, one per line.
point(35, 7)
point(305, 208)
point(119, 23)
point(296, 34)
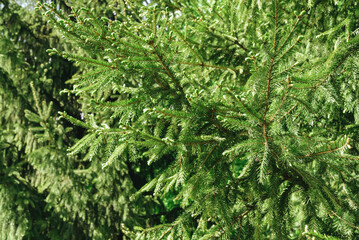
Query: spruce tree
point(45, 193)
point(244, 110)
point(25, 66)
point(39, 189)
point(195, 120)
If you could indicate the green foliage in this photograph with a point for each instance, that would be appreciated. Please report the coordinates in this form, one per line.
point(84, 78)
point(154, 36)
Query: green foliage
point(190, 120)
point(209, 86)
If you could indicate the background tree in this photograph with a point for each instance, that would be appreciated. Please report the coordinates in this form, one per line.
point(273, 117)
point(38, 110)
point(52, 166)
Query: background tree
point(24, 37)
point(42, 197)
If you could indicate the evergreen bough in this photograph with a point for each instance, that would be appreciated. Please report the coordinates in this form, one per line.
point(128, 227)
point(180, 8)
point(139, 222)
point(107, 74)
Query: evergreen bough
point(245, 112)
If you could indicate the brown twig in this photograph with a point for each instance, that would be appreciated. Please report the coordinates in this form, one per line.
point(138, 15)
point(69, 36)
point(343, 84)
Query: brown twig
point(344, 220)
point(207, 65)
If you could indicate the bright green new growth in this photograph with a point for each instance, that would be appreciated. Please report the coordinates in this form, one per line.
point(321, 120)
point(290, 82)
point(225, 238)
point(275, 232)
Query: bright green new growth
point(238, 102)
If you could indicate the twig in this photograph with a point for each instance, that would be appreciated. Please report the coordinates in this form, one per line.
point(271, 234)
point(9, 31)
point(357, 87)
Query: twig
point(280, 105)
point(344, 220)
point(275, 24)
point(207, 65)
